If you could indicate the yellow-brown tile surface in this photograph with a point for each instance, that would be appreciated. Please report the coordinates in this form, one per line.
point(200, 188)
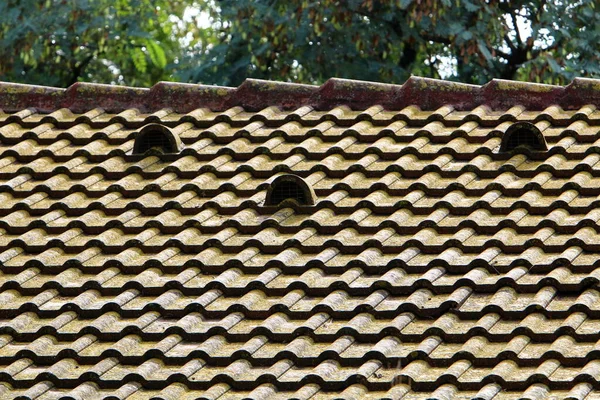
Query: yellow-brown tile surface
point(431, 266)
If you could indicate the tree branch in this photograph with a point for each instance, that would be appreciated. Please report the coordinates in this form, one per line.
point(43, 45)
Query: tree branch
point(436, 38)
point(516, 27)
point(557, 44)
point(504, 54)
point(539, 11)
point(409, 54)
point(509, 42)
point(77, 68)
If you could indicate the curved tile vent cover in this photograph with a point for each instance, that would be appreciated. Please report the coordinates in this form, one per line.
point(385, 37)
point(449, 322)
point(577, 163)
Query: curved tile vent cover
point(523, 135)
point(290, 188)
point(157, 137)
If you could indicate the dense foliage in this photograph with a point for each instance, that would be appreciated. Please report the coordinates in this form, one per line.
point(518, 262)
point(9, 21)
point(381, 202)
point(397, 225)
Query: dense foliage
point(59, 42)
point(467, 40)
point(138, 42)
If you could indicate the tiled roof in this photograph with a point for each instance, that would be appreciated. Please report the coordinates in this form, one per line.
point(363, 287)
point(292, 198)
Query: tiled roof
point(431, 265)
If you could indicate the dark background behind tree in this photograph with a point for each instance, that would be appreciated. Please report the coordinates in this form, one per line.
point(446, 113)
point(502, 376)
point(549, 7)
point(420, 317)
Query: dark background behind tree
point(139, 42)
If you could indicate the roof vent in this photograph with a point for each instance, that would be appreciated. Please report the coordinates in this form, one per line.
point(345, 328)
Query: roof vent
point(156, 137)
point(525, 135)
point(290, 188)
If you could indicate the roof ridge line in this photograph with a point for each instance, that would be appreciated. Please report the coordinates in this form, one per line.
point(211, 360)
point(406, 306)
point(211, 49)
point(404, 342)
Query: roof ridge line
point(256, 94)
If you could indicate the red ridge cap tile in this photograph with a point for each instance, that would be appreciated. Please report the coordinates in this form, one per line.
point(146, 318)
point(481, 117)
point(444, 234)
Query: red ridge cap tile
point(358, 95)
point(82, 96)
point(255, 95)
point(186, 97)
point(503, 94)
point(581, 92)
point(17, 96)
point(431, 94)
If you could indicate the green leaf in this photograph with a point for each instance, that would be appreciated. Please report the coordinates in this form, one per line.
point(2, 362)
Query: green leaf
point(465, 36)
point(553, 64)
point(470, 6)
point(156, 54)
point(484, 51)
point(404, 4)
point(139, 60)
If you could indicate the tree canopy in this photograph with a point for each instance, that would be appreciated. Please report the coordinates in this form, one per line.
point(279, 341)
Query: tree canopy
point(60, 42)
point(138, 42)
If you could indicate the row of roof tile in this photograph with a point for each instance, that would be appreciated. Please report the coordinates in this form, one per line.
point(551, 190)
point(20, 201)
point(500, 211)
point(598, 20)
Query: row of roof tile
point(285, 375)
point(322, 326)
point(254, 95)
point(464, 301)
point(224, 122)
point(431, 265)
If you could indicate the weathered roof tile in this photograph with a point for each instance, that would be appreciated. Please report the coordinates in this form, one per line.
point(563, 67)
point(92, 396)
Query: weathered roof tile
point(430, 266)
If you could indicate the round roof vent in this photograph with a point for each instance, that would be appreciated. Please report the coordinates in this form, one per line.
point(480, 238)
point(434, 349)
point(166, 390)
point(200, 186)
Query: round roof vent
point(523, 135)
point(156, 137)
point(290, 188)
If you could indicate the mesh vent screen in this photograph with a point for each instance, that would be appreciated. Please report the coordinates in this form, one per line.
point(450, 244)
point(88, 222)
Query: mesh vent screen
point(287, 190)
point(523, 137)
point(155, 139)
